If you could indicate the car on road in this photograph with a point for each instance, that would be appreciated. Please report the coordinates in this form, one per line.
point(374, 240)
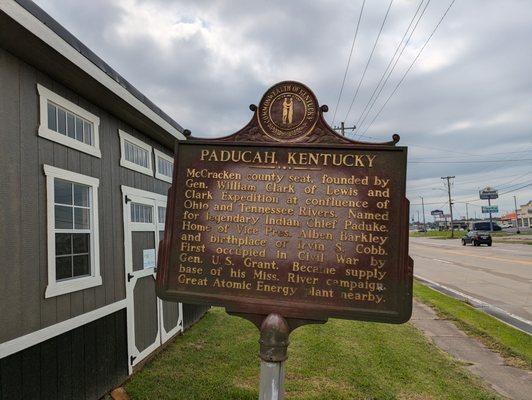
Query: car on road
point(476, 238)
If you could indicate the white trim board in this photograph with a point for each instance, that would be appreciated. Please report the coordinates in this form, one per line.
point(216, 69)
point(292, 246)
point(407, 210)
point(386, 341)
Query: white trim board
point(143, 193)
point(36, 27)
point(31, 339)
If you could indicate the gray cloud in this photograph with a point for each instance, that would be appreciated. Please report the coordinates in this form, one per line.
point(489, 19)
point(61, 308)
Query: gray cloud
point(204, 62)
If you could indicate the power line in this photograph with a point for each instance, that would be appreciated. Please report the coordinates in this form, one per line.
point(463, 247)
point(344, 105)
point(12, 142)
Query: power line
point(360, 120)
point(409, 68)
point(515, 190)
point(472, 155)
point(348, 61)
point(469, 161)
point(369, 60)
point(468, 181)
point(505, 185)
point(471, 201)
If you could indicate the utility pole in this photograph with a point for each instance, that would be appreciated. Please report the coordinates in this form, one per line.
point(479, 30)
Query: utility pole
point(418, 218)
point(448, 178)
point(466, 213)
point(423, 210)
point(342, 128)
point(516, 219)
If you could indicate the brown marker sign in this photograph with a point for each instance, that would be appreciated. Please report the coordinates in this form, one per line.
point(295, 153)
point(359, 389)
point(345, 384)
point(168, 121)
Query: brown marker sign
point(288, 217)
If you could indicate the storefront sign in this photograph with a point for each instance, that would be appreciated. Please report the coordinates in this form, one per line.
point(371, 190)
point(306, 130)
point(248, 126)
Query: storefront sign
point(490, 209)
point(288, 217)
point(488, 194)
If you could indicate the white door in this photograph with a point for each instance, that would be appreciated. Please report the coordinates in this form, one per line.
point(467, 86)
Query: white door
point(150, 321)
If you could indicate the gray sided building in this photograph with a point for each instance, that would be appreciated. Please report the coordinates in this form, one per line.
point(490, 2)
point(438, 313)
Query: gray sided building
point(85, 166)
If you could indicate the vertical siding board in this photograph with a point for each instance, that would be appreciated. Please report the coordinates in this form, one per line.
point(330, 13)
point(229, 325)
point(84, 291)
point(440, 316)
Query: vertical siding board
point(49, 372)
point(107, 225)
point(117, 174)
point(29, 239)
point(90, 366)
point(10, 200)
point(78, 362)
point(11, 376)
point(121, 342)
point(102, 355)
point(46, 156)
point(31, 378)
point(64, 367)
point(110, 351)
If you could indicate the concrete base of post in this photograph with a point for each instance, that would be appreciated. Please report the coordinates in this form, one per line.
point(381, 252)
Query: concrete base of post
point(271, 380)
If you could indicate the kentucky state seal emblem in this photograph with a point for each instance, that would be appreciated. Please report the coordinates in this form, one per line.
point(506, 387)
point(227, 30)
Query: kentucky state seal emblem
point(288, 111)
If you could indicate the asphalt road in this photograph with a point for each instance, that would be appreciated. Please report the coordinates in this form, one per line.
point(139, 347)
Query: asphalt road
point(500, 275)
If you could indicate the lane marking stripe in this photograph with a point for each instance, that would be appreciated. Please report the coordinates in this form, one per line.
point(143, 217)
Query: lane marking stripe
point(442, 261)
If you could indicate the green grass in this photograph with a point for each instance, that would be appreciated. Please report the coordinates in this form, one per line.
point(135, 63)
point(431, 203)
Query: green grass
point(217, 359)
point(437, 234)
point(497, 335)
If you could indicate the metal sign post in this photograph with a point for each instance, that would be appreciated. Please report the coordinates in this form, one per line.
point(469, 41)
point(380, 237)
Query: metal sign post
point(491, 218)
point(489, 193)
point(274, 333)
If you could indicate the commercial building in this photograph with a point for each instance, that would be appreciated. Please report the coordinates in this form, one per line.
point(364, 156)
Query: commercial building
point(524, 215)
point(86, 163)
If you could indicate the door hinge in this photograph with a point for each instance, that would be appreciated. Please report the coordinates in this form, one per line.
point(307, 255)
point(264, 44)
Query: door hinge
point(131, 359)
point(127, 199)
point(129, 276)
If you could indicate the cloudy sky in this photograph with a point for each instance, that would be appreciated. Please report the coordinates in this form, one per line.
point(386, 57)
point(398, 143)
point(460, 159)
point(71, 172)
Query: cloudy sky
point(466, 100)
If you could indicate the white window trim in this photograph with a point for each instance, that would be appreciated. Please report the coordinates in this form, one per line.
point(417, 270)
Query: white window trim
point(45, 95)
point(158, 175)
point(55, 288)
point(128, 164)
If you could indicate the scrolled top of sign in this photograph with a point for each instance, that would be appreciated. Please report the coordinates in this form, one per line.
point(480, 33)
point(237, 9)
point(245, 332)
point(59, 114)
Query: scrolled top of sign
point(286, 216)
point(288, 111)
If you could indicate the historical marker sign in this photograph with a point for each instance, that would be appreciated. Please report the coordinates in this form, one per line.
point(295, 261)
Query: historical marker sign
point(288, 217)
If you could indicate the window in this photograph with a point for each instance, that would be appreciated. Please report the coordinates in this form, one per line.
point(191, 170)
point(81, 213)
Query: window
point(164, 166)
point(161, 214)
point(65, 122)
point(141, 213)
point(135, 154)
point(73, 242)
